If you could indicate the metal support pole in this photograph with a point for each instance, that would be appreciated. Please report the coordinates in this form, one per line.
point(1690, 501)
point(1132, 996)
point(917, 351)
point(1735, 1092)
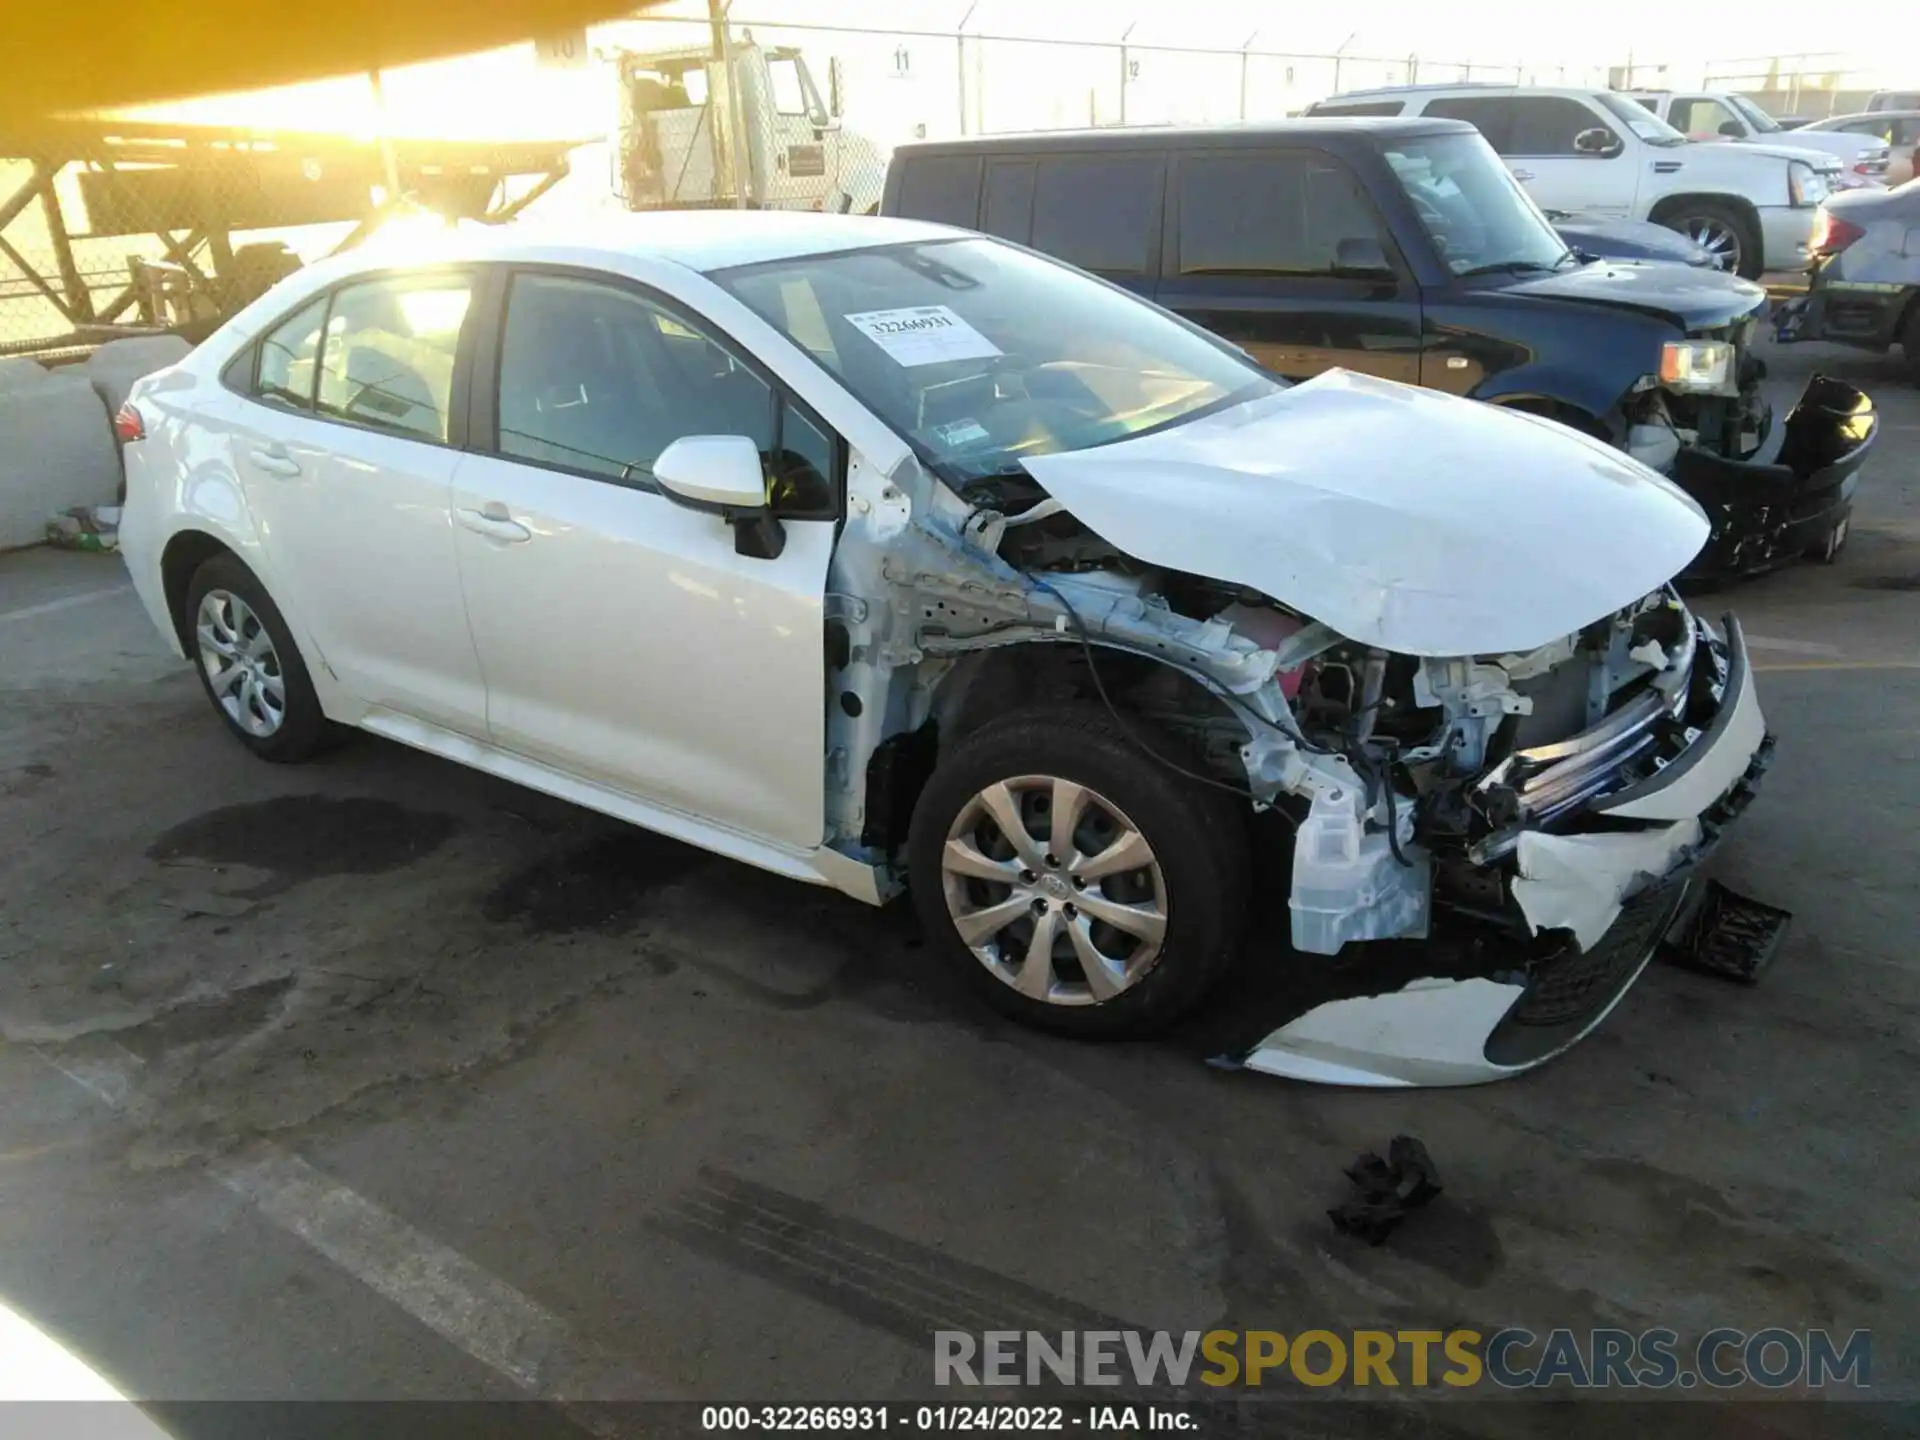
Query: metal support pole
point(80, 301)
point(1123, 71)
point(960, 60)
point(1244, 48)
point(389, 160)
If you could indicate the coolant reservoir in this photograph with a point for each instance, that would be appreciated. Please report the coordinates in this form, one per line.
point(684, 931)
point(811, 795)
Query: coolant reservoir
point(1267, 627)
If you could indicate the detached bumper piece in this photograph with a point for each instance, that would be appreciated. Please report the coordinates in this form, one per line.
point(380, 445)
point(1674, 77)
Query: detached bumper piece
point(1768, 510)
point(1388, 1189)
point(1729, 935)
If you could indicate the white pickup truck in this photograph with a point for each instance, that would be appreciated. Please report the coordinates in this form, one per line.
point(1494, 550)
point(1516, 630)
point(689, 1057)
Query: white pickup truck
point(1596, 152)
point(1724, 115)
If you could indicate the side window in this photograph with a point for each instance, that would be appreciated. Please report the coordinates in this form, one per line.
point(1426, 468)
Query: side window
point(387, 358)
point(1491, 115)
point(1099, 212)
point(597, 380)
point(1700, 117)
point(789, 96)
point(1546, 125)
point(941, 188)
point(1009, 208)
point(287, 358)
point(1280, 213)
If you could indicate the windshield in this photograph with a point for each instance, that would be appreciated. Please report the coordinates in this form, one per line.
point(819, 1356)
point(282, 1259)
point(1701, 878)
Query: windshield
point(1648, 126)
point(1480, 219)
point(1754, 115)
point(982, 355)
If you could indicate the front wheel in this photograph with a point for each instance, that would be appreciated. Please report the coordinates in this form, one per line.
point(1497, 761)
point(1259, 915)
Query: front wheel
point(1077, 884)
point(1724, 233)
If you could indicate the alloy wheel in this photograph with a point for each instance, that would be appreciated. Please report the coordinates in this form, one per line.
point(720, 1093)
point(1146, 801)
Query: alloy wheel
point(1054, 890)
point(1717, 238)
point(242, 667)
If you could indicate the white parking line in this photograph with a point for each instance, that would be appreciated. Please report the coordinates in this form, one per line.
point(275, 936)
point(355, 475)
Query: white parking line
point(435, 1284)
point(1792, 647)
point(65, 602)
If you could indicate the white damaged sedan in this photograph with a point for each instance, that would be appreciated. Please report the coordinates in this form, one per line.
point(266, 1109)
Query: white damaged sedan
point(879, 554)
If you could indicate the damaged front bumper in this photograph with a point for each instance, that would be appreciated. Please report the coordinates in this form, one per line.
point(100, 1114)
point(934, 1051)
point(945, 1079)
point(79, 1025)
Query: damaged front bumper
point(1595, 874)
point(1793, 496)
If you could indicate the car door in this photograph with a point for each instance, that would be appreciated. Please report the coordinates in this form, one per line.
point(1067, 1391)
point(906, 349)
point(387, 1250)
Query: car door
point(624, 639)
point(1282, 252)
point(346, 457)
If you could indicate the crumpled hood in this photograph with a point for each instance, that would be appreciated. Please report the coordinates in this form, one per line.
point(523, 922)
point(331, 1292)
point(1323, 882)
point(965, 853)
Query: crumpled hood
point(1419, 522)
point(1694, 298)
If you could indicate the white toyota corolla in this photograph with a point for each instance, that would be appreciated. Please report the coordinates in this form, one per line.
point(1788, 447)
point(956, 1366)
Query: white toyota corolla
point(881, 554)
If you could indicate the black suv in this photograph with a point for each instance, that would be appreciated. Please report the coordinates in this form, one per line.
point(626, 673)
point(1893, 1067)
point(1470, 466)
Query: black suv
point(1403, 248)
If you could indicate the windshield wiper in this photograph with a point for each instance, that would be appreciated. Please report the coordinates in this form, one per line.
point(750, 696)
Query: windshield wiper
point(1510, 267)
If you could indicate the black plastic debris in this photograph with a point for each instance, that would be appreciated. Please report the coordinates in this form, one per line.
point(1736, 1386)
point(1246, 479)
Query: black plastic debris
point(1730, 935)
point(1388, 1188)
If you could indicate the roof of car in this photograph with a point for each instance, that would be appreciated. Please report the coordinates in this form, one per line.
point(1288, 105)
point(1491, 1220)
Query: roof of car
point(1827, 122)
point(703, 240)
point(1134, 137)
point(1473, 87)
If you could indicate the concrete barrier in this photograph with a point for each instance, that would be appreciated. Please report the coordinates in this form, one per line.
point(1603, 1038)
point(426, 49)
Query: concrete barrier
point(56, 450)
point(117, 364)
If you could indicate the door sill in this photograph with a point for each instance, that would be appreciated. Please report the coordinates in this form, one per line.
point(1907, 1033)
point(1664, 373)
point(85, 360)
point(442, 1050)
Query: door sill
point(819, 866)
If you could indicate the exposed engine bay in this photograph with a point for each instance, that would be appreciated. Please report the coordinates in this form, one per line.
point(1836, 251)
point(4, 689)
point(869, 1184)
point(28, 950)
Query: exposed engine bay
point(1554, 793)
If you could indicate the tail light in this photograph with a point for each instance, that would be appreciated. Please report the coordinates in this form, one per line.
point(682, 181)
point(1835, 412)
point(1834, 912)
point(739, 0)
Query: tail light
point(128, 425)
point(1831, 236)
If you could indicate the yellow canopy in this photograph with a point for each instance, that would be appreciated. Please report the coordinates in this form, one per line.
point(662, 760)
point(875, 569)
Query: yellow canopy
point(65, 58)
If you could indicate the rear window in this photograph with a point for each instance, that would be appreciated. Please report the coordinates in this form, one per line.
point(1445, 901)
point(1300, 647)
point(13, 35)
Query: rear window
point(941, 188)
point(1099, 212)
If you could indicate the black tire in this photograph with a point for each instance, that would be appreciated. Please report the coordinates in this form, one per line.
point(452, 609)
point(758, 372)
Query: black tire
point(1910, 341)
point(303, 727)
point(1198, 836)
point(1752, 262)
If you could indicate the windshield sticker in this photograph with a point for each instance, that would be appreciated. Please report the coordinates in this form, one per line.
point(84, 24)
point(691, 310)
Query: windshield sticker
point(956, 433)
point(923, 335)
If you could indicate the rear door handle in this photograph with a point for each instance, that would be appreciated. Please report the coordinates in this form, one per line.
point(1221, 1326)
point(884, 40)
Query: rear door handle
point(494, 523)
point(276, 462)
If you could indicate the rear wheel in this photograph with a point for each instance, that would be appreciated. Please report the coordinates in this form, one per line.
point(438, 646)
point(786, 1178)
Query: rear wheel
point(1075, 883)
point(1723, 232)
point(249, 665)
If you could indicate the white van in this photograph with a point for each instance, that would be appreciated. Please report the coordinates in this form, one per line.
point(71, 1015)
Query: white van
point(1597, 152)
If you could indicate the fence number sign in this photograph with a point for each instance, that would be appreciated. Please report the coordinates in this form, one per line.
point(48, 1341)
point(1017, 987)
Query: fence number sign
point(923, 335)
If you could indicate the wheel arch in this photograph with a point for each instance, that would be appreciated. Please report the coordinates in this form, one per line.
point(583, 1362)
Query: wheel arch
point(185, 552)
point(982, 685)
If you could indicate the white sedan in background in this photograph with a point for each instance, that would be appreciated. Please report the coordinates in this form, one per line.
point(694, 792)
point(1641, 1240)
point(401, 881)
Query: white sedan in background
point(873, 552)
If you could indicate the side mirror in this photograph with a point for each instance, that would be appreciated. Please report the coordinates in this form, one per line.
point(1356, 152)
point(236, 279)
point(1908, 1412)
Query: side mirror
point(1598, 141)
point(836, 87)
point(722, 475)
point(1733, 130)
point(1361, 259)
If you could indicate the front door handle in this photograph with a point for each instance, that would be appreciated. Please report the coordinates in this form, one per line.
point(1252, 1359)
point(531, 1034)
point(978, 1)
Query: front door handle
point(494, 523)
point(276, 462)
point(1523, 174)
